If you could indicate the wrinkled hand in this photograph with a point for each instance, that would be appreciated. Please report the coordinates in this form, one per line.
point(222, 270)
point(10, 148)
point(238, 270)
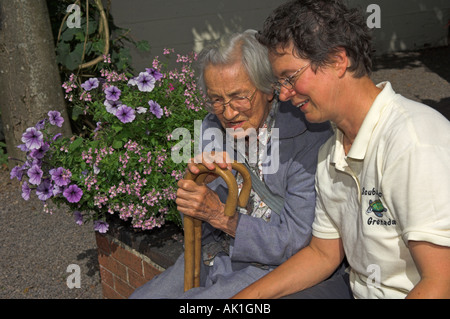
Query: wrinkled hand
point(209, 159)
point(200, 202)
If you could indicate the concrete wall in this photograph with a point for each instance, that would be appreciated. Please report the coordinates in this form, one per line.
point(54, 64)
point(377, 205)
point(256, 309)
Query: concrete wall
point(409, 24)
point(187, 25)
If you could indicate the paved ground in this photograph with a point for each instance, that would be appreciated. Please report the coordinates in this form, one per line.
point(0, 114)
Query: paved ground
point(422, 76)
point(36, 248)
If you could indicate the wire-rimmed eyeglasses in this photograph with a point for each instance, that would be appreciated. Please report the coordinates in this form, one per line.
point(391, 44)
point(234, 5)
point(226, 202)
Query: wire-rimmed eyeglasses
point(238, 103)
point(289, 82)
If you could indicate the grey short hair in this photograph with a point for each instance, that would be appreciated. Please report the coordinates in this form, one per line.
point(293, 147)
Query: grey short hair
point(227, 51)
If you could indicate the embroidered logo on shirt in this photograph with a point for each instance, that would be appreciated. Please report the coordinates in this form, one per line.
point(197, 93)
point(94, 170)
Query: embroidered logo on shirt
point(376, 207)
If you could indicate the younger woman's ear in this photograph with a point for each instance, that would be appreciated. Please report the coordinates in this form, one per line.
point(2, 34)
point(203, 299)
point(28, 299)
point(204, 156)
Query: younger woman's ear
point(341, 62)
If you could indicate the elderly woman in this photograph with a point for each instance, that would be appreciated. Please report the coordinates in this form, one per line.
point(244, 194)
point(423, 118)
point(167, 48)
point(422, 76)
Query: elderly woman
point(237, 79)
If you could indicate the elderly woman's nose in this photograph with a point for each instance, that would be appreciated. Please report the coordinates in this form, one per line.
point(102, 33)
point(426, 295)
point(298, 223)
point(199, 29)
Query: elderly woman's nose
point(229, 113)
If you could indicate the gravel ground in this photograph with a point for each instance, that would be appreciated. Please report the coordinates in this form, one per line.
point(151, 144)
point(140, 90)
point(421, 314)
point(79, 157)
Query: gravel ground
point(36, 248)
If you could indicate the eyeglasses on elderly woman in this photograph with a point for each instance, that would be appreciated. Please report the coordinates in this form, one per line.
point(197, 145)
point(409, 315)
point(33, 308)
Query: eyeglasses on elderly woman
point(238, 103)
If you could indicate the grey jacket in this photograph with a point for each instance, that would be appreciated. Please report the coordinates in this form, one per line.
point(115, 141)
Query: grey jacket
point(271, 243)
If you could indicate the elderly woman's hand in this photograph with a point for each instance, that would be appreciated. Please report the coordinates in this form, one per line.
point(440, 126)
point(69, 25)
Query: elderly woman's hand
point(200, 202)
point(209, 159)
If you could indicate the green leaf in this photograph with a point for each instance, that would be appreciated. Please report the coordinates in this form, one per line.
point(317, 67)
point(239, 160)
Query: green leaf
point(80, 36)
point(72, 60)
point(93, 24)
point(143, 46)
point(62, 50)
point(76, 111)
point(117, 144)
point(117, 128)
point(68, 34)
point(76, 144)
point(98, 46)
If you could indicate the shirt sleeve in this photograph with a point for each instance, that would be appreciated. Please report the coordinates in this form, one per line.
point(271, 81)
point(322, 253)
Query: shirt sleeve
point(420, 200)
point(323, 226)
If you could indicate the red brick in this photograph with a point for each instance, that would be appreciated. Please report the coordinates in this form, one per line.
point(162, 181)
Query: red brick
point(150, 271)
point(106, 276)
point(135, 280)
point(102, 243)
point(127, 258)
point(113, 266)
point(110, 293)
point(122, 287)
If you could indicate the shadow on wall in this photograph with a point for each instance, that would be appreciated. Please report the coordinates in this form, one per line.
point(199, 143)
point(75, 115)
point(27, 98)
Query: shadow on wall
point(406, 24)
point(400, 25)
point(189, 25)
point(210, 34)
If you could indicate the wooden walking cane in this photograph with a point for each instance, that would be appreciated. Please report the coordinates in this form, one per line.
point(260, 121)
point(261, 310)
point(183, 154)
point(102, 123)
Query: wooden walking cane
point(193, 227)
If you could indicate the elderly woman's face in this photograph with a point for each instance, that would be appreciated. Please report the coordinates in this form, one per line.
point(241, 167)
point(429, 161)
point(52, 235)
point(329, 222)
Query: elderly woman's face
point(225, 82)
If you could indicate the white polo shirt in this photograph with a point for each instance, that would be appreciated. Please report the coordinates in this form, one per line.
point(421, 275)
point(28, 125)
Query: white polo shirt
point(393, 187)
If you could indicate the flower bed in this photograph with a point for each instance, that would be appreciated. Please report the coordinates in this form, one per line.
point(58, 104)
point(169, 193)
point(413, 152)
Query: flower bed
point(122, 164)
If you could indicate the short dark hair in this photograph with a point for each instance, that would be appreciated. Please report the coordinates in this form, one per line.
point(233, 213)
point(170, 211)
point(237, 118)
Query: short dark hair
point(318, 29)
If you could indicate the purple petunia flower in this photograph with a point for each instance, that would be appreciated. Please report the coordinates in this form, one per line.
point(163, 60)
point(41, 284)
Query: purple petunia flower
point(141, 110)
point(73, 193)
point(54, 138)
point(40, 152)
point(132, 81)
point(125, 114)
point(35, 161)
point(155, 108)
point(78, 217)
point(60, 176)
point(90, 84)
point(112, 93)
point(26, 191)
point(16, 172)
point(23, 147)
point(112, 106)
point(98, 127)
point(55, 118)
point(40, 125)
point(101, 226)
point(155, 73)
point(57, 190)
point(44, 191)
point(35, 174)
point(32, 138)
point(145, 82)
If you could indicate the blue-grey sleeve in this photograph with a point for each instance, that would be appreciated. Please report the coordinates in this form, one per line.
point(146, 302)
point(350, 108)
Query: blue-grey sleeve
point(273, 242)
